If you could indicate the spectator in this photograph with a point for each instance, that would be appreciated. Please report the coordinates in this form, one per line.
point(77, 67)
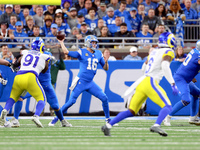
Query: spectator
point(23, 17)
point(114, 4)
point(5, 33)
point(180, 55)
point(91, 19)
point(116, 27)
point(106, 54)
point(190, 13)
point(141, 12)
point(175, 11)
point(150, 50)
point(102, 10)
point(62, 26)
point(79, 5)
point(29, 26)
point(196, 6)
point(133, 54)
point(48, 20)
point(148, 4)
point(161, 29)
point(161, 12)
point(1, 9)
point(105, 33)
point(37, 32)
point(38, 17)
point(65, 6)
point(33, 10)
point(13, 20)
point(134, 20)
point(84, 11)
point(17, 11)
point(125, 15)
point(80, 19)
point(20, 33)
point(152, 20)
point(50, 10)
point(96, 4)
point(53, 42)
point(142, 35)
point(130, 4)
point(84, 31)
point(124, 33)
point(96, 30)
point(59, 13)
point(109, 19)
point(5, 53)
point(75, 34)
point(6, 16)
point(72, 18)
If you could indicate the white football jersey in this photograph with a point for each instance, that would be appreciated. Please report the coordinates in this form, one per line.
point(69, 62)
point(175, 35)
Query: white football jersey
point(155, 58)
point(33, 61)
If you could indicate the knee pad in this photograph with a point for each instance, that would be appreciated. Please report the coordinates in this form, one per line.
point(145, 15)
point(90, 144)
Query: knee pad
point(55, 106)
point(185, 103)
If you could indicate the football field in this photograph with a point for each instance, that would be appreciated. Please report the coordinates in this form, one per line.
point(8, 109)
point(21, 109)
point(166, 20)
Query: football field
point(86, 135)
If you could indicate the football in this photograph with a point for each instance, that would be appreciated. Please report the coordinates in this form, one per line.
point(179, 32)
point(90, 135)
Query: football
point(60, 35)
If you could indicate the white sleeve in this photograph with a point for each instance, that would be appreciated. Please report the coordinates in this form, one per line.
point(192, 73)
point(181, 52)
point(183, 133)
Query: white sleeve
point(144, 67)
point(167, 71)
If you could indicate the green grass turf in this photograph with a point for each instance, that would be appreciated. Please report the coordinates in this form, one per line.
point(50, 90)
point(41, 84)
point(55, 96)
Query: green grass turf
point(86, 134)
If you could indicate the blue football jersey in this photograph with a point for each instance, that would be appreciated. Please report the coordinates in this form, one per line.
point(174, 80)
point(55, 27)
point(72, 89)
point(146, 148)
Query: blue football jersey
point(190, 67)
point(88, 62)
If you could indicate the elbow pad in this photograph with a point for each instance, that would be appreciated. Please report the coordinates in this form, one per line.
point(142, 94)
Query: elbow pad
point(167, 71)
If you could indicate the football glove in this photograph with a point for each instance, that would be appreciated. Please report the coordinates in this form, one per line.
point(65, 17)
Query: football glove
point(3, 81)
point(13, 67)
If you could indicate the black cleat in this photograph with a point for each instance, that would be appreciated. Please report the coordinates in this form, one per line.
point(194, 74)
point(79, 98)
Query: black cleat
point(105, 130)
point(158, 130)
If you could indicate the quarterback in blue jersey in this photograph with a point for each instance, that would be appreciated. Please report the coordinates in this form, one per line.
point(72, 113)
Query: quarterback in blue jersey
point(45, 81)
point(146, 86)
point(183, 78)
point(89, 58)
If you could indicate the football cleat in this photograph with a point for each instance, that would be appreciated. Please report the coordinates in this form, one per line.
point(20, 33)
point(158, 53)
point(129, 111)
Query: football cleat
point(3, 117)
point(64, 123)
point(14, 123)
point(105, 130)
point(36, 120)
point(158, 130)
point(194, 120)
point(53, 122)
point(166, 121)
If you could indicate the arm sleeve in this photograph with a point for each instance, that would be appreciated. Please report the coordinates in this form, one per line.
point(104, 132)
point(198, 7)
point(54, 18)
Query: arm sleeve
point(167, 71)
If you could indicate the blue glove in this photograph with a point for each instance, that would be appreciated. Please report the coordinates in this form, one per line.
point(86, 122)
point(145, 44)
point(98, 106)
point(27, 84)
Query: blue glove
point(175, 89)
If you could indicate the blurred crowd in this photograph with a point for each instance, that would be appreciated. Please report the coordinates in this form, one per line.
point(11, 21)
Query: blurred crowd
point(103, 18)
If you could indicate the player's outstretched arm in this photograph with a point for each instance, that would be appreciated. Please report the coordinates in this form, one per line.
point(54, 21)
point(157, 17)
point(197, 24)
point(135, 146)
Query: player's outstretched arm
point(4, 62)
point(65, 50)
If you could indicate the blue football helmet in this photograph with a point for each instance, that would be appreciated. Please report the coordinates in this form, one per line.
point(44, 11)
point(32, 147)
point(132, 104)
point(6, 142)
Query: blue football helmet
point(167, 39)
point(88, 41)
point(198, 45)
point(38, 45)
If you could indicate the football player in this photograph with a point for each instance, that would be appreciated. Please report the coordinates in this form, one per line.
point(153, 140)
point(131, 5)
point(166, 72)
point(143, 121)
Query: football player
point(156, 66)
point(89, 58)
point(183, 78)
point(32, 63)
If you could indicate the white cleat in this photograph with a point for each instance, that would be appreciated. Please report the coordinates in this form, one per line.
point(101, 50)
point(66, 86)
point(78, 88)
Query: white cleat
point(36, 120)
point(51, 124)
point(166, 121)
point(14, 123)
point(3, 117)
point(194, 120)
point(64, 123)
point(7, 124)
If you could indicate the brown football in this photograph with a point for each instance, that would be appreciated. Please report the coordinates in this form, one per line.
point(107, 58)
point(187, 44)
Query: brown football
point(60, 35)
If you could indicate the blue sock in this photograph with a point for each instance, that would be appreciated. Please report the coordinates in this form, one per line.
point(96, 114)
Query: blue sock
point(18, 108)
point(178, 106)
point(106, 109)
point(194, 106)
point(163, 113)
point(10, 102)
point(59, 114)
point(39, 107)
point(66, 106)
point(121, 116)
